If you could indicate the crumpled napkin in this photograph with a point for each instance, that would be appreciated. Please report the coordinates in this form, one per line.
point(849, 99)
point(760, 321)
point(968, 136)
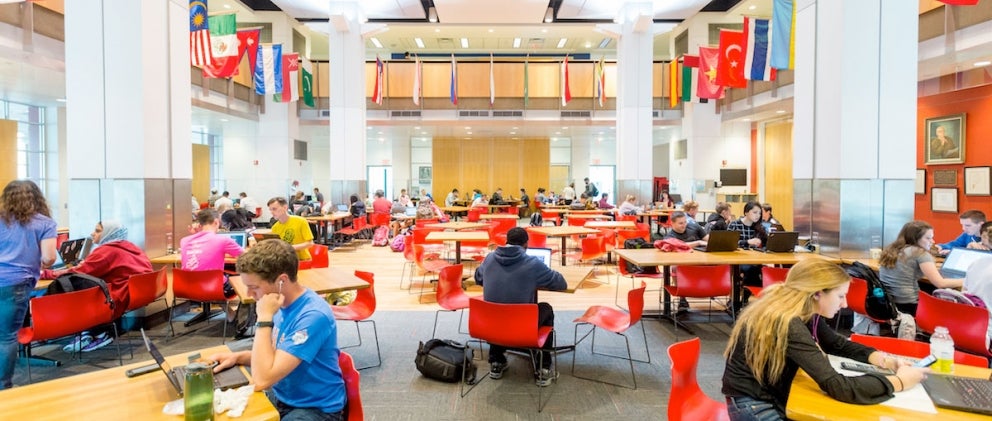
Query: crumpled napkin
point(234, 401)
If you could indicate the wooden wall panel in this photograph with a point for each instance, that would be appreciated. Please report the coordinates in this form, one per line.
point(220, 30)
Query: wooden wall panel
point(8, 152)
point(534, 164)
point(611, 79)
point(477, 167)
point(399, 80)
point(558, 177)
point(486, 164)
point(437, 80)
point(473, 80)
point(778, 171)
point(322, 78)
point(507, 159)
point(201, 172)
point(446, 162)
point(659, 80)
point(509, 79)
point(544, 80)
point(581, 77)
point(370, 78)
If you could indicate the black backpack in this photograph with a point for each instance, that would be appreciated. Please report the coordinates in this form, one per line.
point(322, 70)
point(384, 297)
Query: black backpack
point(443, 359)
point(878, 303)
point(536, 220)
point(638, 243)
point(69, 282)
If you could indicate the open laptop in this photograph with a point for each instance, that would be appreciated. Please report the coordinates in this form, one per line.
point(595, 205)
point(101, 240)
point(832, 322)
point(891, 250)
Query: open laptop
point(266, 236)
point(411, 211)
point(342, 208)
point(226, 379)
point(721, 241)
point(959, 260)
point(541, 253)
point(781, 242)
point(960, 393)
point(70, 253)
point(239, 237)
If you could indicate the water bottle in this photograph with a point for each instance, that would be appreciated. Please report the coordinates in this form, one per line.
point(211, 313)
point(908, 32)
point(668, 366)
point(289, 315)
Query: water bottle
point(942, 347)
point(198, 396)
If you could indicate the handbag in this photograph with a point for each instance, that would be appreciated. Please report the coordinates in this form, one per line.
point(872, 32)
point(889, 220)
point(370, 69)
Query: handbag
point(444, 360)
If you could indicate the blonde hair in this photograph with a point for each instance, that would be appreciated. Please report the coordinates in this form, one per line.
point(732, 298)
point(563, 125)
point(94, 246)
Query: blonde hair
point(630, 198)
point(765, 322)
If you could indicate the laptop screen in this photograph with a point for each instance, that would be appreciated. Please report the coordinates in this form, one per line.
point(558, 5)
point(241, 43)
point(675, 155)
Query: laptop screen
point(342, 208)
point(960, 259)
point(238, 236)
point(160, 360)
point(541, 253)
point(410, 211)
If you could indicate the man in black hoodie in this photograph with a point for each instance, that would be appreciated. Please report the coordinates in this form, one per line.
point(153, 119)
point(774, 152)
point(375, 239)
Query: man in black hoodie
point(510, 276)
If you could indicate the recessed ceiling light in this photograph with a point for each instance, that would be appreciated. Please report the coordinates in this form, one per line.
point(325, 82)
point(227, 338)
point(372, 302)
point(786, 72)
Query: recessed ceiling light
point(561, 42)
point(588, 44)
point(468, 132)
point(60, 99)
point(464, 42)
point(747, 119)
point(227, 6)
point(491, 30)
point(376, 43)
point(437, 29)
point(516, 43)
point(982, 63)
point(752, 7)
point(420, 42)
point(417, 128)
point(780, 112)
point(468, 128)
point(565, 128)
point(604, 43)
point(513, 132)
point(544, 30)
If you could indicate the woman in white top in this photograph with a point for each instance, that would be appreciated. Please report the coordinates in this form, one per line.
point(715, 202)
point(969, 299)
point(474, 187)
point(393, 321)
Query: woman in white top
point(482, 200)
point(629, 207)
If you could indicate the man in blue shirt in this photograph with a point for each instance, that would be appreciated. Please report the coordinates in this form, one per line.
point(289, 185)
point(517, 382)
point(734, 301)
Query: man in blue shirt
point(971, 224)
point(295, 352)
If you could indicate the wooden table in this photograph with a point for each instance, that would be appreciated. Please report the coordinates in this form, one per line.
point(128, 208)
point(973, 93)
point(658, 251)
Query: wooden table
point(611, 224)
point(575, 276)
point(563, 231)
point(458, 226)
point(458, 237)
point(498, 216)
point(176, 259)
point(110, 395)
point(455, 211)
point(337, 218)
point(808, 402)
point(320, 280)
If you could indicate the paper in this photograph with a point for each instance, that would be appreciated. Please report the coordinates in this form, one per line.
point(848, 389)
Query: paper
point(234, 401)
point(913, 399)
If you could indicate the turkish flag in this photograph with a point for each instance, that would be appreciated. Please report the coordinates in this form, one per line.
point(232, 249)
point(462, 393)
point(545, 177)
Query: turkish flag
point(730, 68)
point(960, 2)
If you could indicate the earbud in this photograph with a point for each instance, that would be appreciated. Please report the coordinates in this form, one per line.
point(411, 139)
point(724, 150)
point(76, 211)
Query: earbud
point(816, 296)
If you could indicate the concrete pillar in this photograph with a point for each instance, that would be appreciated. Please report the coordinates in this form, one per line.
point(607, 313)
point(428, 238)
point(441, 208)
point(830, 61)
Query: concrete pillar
point(347, 100)
point(634, 77)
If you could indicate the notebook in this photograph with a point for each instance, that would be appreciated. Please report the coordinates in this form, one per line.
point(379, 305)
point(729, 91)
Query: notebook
point(239, 237)
point(541, 253)
point(721, 241)
point(69, 252)
point(226, 379)
point(959, 260)
point(781, 242)
point(960, 393)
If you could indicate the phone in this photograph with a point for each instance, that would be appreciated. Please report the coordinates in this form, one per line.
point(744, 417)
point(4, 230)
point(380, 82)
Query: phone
point(865, 368)
point(926, 362)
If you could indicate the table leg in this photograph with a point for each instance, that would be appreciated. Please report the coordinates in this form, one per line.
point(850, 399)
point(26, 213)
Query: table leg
point(204, 315)
point(563, 238)
point(458, 252)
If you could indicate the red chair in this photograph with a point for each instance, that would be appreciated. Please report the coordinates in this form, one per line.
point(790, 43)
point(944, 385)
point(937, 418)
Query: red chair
point(319, 257)
point(305, 264)
point(622, 271)
point(450, 295)
point(431, 246)
point(429, 263)
point(769, 276)
point(967, 324)
point(408, 259)
point(856, 295)
point(359, 311)
point(379, 220)
point(592, 249)
point(686, 401)
point(357, 228)
point(58, 315)
point(618, 322)
point(624, 235)
point(473, 214)
point(509, 325)
point(915, 349)
point(353, 410)
point(554, 217)
point(420, 223)
point(702, 282)
point(145, 289)
point(536, 239)
point(205, 286)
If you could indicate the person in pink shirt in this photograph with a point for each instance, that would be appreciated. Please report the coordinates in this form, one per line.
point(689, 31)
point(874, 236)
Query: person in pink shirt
point(205, 250)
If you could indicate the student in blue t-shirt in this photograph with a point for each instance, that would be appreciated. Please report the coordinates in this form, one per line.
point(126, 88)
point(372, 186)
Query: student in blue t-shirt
point(300, 361)
point(971, 224)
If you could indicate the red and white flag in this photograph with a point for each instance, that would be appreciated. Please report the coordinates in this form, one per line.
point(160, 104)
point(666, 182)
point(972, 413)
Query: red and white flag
point(290, 74)
point(377, 93)
point(566, 92)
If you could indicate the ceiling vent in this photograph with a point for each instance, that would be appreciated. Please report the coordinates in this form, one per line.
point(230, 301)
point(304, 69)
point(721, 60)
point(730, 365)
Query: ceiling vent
point(576, 114)
point(474, 113)
point(408, 113)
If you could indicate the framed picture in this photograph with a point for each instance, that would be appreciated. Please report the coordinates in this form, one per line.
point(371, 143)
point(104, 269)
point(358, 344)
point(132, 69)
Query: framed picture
point(976, 181)
point(921, 182)
point(944, 142)
point(945, 178)
point(944, 199)
point(425, 174)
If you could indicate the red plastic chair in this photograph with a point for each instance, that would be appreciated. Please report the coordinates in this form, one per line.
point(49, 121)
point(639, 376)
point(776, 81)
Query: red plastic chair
point(319, 257)
point(592, 248)
point(536, 239)
point(702, 282)
point(509, 325)
point(967, 324)
point(769, 276)
point(145, 289)
point(450, 295)
point(856, 295)
point(915, 349)
point(686, 401)
point(379, 220)
point(353, 410)
point(622, 271)
point(624, 235)
point(421, 222)
point(420, 237)
point(359, 311)
point(408, 259)
point(473, 214)
point(429, 263)
point(58, 315)
point(618, 322)
point(554, 217)
point(205, 286)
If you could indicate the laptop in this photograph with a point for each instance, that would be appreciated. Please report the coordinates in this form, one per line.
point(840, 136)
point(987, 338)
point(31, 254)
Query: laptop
point(411, 211)
point(239, 237)
point(342, 208)
point(266, 236)
point(781, 242)
point(721, 241)
point(226, 379)
point(70, 252)
point(541, 253)
point(960, 393)
point(959, 260)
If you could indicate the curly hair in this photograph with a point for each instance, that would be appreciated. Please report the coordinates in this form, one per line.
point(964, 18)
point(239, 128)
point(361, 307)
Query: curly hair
point(21, 200)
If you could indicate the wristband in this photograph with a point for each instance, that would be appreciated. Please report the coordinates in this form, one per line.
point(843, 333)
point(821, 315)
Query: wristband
point(264, 324)
point(901, 387)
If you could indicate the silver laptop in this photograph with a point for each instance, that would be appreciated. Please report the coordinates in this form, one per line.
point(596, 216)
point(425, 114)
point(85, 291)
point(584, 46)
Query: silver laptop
point(721, 241)
point(541, 253)
point(959, 260)
point(239, 237)
point(226, 379)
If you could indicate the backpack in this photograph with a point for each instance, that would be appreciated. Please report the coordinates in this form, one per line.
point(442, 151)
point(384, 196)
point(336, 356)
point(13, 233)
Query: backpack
point(593, 191)
point(536, 220)
point(69, 282)
point(638, 243)
point(878, 302)
point(956, 296)
point(443, 359)
point(380, 238)
point(397, 243)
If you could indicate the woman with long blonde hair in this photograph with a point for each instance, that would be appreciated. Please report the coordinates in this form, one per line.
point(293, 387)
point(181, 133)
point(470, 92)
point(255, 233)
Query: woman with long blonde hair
point(785, 330)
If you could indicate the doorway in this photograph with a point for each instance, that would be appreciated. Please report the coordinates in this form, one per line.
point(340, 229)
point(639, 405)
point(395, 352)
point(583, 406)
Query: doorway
point(380, 177)
point(604, 176)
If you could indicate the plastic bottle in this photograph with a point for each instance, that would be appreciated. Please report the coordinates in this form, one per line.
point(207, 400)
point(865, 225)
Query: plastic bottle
point(942, 347)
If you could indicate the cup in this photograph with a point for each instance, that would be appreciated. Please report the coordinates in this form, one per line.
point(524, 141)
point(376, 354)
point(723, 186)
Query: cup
point(814, 241)
point(876, 253)
point(198, 393)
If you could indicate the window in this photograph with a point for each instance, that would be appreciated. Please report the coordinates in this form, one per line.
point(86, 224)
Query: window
point(216, 145)
point(30, 139)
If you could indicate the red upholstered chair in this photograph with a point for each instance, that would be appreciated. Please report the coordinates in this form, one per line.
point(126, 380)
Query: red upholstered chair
point(353, 410)
point(450, 295)
point(359, 311)
point(204, 286)
point(58, 315)
point(686, 401)
point(145, 289)
point(967, 324)
point(769, 276)
point(618, 322)
point(319, 257)
point(915, 349)
point(706, 282)
point(509, 325)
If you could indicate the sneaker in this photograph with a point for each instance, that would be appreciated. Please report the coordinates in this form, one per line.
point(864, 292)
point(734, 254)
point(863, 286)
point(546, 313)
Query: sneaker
point(545, 377)
point(98, 342)
point(78, 343)
point(496, 370)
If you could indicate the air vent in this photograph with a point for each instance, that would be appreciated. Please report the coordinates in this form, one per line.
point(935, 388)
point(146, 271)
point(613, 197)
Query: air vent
point(394, 114)
point(655, 114)
point(514, 113)
point(474, 113)
point(576, 114)
point(535, 43)
point(325, 113)
point(445, 43)
point(299, 150)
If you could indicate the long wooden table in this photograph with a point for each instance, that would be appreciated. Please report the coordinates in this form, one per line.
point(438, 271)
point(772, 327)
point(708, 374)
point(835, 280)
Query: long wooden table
point(337, 218)
point(458, 237)
point(110, 395)
point(563, 231)
point(320, 280)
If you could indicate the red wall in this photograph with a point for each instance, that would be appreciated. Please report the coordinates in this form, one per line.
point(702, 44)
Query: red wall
point(976, 103)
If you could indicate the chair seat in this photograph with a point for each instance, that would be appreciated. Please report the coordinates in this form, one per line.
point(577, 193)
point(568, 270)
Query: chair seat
point(353, 312)
point(606, 318)
point(454, 302)
point(435, 265)
point(542, 335)
point(693, 293)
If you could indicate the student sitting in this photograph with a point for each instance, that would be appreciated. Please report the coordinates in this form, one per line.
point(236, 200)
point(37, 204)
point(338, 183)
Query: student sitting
point(905, 261)
point(604, 202)
point(971, 223)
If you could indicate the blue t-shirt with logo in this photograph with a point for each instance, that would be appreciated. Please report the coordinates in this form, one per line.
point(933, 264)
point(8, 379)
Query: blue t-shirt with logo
point(20, 253)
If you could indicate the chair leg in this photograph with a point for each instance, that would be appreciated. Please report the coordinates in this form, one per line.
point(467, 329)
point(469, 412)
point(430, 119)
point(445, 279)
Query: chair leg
point(375, 334)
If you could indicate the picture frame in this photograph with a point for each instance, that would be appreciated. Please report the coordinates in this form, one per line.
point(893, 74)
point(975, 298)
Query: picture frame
point(425, 174)
point(944, 199)
point(977, 181)
point(944, 140)
point(947, 178)
point(921, 182)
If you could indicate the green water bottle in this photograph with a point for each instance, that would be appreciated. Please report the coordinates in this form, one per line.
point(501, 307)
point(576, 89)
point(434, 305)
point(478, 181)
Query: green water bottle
point(199, 392)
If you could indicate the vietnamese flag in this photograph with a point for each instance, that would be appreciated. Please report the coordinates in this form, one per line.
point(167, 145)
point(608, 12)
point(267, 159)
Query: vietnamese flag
point(706, 86)
point(730, 68)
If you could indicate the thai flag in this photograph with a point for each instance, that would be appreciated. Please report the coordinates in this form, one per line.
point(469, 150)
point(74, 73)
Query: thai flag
point(757, 63)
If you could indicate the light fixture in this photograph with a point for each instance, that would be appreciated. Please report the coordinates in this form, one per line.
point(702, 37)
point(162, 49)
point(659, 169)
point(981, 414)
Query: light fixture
point(375, 42)
point(464, 42)
point(747, 119)
point(604, 43)
point(516, 43)
point(588, 44)
point(513, 132)
point(60, 99)
point(227, 6)
point(491, 30)
point(544, 30)
point(432, 14)
point(780, 112)
point(561, 42)
point(549, 16)
point(437, 29)
point(468, 128)
point(420, 42)
point(752, 7)
point(982, 63)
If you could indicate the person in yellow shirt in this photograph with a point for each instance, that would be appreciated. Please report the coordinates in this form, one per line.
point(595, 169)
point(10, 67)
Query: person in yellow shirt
point(293, 229)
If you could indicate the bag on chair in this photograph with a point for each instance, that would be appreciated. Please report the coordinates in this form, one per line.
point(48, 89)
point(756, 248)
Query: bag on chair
point(69, 282)
point(878, 303)
point(380, 238)
point(443, 359)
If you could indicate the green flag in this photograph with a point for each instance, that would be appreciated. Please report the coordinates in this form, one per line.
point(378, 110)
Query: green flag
point(307, 83)
point(526, 83)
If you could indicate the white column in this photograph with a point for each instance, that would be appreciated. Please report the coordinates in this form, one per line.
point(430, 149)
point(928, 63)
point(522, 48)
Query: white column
point(634, 77)
point(347, 100)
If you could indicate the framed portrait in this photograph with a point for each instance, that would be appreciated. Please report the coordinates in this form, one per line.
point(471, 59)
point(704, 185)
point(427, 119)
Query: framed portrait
point(944, 199)
point(976, 181)
point(921, 182)
point(425, 174)
point(944, 142)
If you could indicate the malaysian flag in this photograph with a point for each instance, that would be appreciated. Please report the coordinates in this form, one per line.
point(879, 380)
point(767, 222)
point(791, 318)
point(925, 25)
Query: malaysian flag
point(199, 34)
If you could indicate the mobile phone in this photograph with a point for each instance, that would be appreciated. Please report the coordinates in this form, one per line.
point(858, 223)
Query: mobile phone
point(926, 362)
point(865, 368)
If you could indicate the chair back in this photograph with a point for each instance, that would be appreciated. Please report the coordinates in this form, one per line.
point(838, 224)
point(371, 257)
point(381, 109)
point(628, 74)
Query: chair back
point(364, 303)
point(703, 281)
point(473, 214)
point(54, 316)
point(319, 257)
point(967, 324)
point(379, 219)
point(771, 275)
point(624, 235)
point(592, 247)
point(421, 222)
point(420, 236)
point(408, 248)
point(449, 294)
point(536, 239)
point(146, 288)
point(202, 285)
point(509, 325)
point(686, 400)
point(915, 349)
point(635, 303)
point(352, 380)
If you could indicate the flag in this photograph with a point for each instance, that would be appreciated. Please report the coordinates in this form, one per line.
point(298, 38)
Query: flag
point(526, 81)
point(492, 82)
point(199, 34)
point(377, 90)
point(756, 40)
point(730, 68)
point(248, 43)
point(601, 83)
point(290, 74)
point(566, 92)
point(688, 63)
point(224, 46)
point(307, 83)
point(416, 81)
point(673, 83)
point(783, 42)
point(268, 70)
point(706, 87)
point(454, 80)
